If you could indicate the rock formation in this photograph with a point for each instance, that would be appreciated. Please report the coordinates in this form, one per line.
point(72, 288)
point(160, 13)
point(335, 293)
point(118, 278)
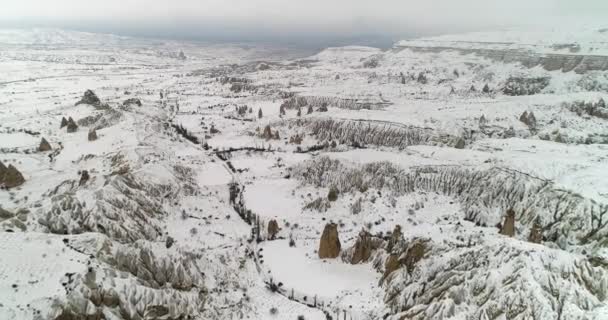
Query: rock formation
point(363, 248)
point(508, 227)
point(3, 170)
point(329, 246)
point(84, 177)
point(72, 126)
point(392, 263)
point(131, 101)
point(529, 119)
point(89, 98)
point(11, 177)
point(273, 229)
point(44, 146)
point(64, 122)
point(92, 135)
point(395, 238)
point(415, 252)
point(536, 233)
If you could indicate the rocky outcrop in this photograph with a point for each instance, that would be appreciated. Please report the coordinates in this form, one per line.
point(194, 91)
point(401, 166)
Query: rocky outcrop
point(273, 229)
point(84, 177)
point(329, 247)
point(3, 170)
point(536, 233)
point(10, 177)
point(529, 119)
point(395, 238)
point(44, 146)
point(392, 264)
point(550, 62)
point(414, 253)
point(90, 98)
point(92, 135)
point(72, 126)
point(363, 248)
point(132, 101)
point(64, 123)
point(508, 226)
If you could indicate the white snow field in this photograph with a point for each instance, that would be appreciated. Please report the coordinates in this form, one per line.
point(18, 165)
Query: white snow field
point(454, 177)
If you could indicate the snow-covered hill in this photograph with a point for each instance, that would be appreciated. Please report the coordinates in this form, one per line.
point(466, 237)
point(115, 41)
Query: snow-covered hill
point(429, 181)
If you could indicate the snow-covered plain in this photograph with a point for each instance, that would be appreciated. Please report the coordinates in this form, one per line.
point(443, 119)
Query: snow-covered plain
point(174, 219)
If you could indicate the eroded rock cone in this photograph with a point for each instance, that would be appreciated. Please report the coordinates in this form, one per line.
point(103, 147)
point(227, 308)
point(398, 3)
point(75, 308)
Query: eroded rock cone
point(392, 264)
point(273, 229)
point(3, 170)
point(415, 253)
point(536, 233)
point(64, 122)
point(90, 98)
point(44, 146)
point(329, 247)
point(84, 177)
point(363, 248)
point(92, 135)
point(395, 238)
point(508, 227)
point(72, 126)
point(529, 119)
point(12, 177)
point(460, 143)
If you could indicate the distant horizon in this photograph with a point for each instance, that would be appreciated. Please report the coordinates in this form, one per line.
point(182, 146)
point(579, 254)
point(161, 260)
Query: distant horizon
point(315, 23)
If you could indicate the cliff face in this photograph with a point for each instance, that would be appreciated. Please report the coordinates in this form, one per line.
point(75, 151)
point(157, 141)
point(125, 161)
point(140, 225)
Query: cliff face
point(550, 62)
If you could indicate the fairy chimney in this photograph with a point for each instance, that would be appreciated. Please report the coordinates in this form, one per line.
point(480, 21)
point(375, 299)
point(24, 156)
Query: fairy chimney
point(92, 135)
point(363, 248)
point(392, 264)
point(395, 238)
point(64, 122)
point(414, 253)
point(12, 177)
point(84, 177)
point(536, 233)
point(72, 126)
point(44, 146)
point(329, 246)
point(273, 229)
point(508, 227)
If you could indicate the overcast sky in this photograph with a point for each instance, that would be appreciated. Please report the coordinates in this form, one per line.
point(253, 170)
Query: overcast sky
point(285, 18)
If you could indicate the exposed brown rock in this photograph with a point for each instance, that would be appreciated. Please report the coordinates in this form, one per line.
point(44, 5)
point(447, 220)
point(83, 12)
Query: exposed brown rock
point(64, 122)
point(536, 233)
point(3, 170)
point(84, 177)
point(72, 126)
point(273, 229)
point(363, 248)
point(508, 227)
point(329, 246)
point(415, 253)
point(392, 264)
point(395, 238)
point(44, 146)
point(92, 135)
point(12, 177)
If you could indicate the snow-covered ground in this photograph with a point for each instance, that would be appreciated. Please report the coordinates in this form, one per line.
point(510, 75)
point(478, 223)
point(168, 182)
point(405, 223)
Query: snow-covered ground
point(210, 199)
